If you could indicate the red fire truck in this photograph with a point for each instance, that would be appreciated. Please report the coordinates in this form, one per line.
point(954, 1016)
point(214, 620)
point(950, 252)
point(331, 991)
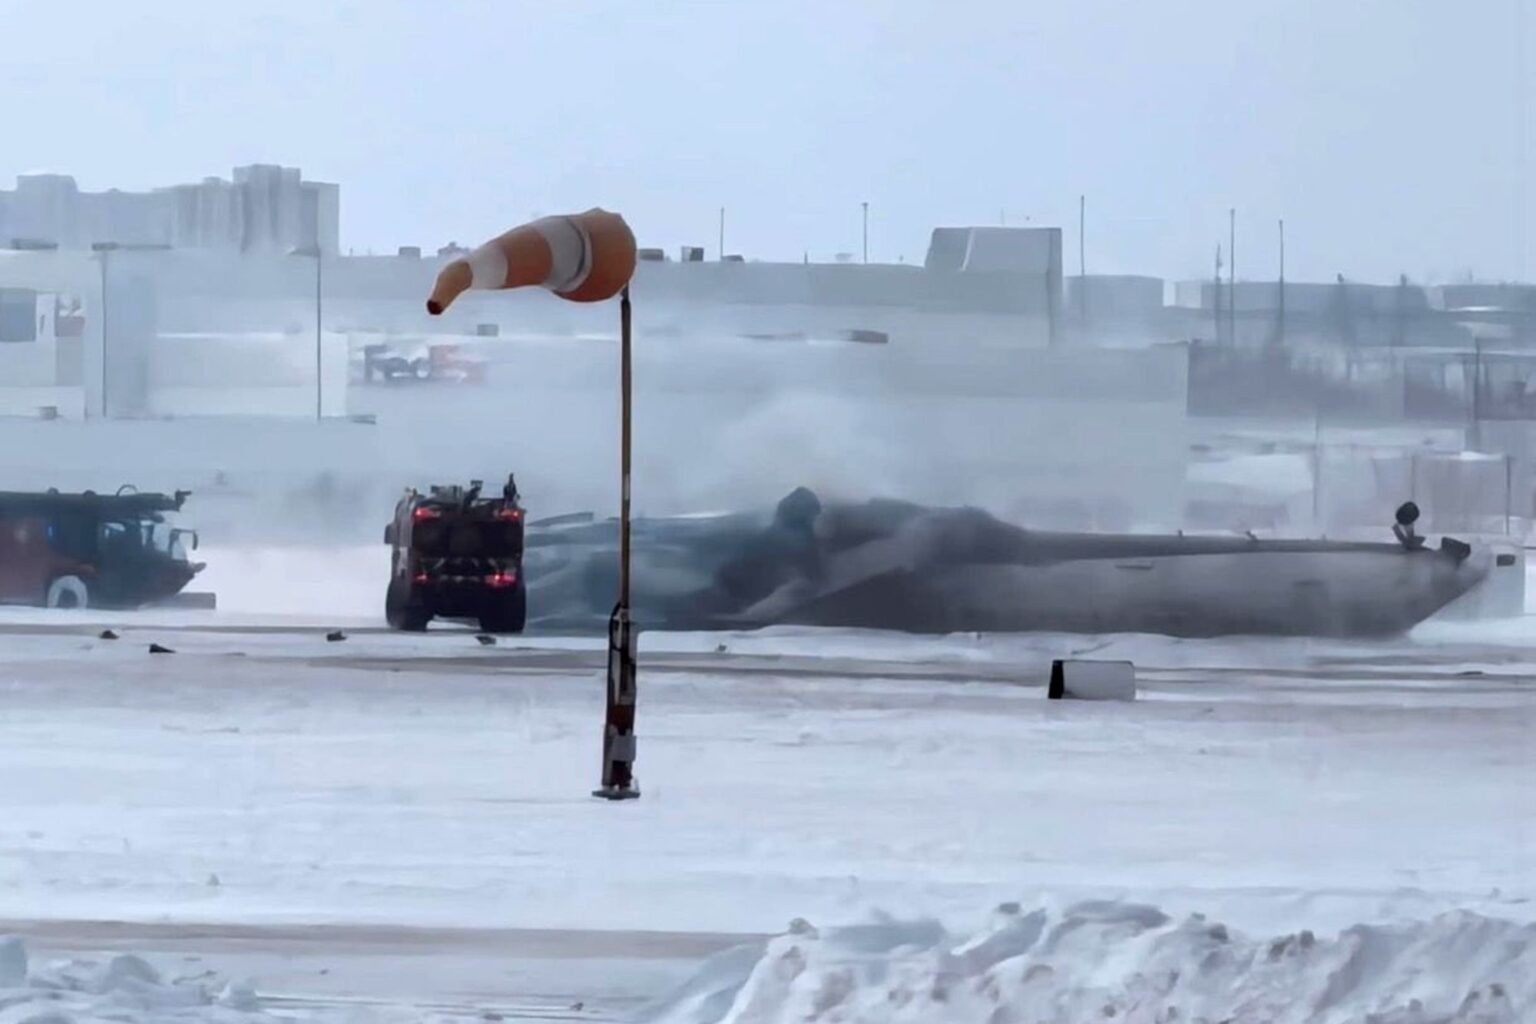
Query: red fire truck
point(93, 550)
point(457, 555)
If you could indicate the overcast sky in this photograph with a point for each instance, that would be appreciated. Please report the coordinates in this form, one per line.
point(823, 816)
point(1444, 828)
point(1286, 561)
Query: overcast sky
point(1392, 135)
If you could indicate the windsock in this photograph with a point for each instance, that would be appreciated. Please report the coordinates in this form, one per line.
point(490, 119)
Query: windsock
point(585, 257)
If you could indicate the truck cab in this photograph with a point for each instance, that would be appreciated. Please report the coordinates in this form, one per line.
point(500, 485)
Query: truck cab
point(457, 554)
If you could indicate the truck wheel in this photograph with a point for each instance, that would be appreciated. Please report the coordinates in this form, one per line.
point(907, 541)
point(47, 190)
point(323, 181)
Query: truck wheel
point(68, 592)
point(508, 614)
point(402, 611)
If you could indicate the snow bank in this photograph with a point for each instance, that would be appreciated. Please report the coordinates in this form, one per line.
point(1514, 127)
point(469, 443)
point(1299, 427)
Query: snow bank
point(1120, 962)
point(121, 990)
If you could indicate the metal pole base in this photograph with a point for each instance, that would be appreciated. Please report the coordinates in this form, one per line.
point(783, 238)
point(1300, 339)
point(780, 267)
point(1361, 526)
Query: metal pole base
point(618, 781)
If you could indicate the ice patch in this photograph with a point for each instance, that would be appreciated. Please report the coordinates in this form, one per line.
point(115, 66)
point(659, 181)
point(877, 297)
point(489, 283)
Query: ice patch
point(1122, 962)
point(121, 990)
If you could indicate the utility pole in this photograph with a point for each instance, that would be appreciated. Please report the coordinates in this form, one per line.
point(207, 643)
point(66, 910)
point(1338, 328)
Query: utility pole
point(1477, 393)
point(319, 363)
point(866, 231)
point(105, 251)
point(1216, 298)
point(1052, 299)
point(1232, 274)
point(1317, 467)
point(1509, 484)
point(319, 254)
point(1280, 298)
point(722, 234)
point(1082, 258)
point(313, 252)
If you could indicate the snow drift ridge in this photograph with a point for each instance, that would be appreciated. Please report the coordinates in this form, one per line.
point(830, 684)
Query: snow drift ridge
point(120, 990)
point(1124, 963)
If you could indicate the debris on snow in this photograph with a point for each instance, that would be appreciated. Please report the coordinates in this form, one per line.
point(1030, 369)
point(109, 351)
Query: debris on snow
point(336, 636)
point(157, 649)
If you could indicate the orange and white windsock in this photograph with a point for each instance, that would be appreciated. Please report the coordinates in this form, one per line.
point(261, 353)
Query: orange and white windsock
point(585, 257)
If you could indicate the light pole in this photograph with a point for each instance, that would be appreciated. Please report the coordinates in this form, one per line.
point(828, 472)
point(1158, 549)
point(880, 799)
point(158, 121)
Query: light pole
point(104, 249)
point(1082, 258)
point(1280, 298)
point(1216, 298)
point(866, 231)
point(313, 251)
point(1477, 392)
point(1232, 274)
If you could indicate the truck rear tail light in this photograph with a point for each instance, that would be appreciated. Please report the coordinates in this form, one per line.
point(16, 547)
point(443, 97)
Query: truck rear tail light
point(422, 577)
point(510, 514)
point(501, 580)
point(426, 512)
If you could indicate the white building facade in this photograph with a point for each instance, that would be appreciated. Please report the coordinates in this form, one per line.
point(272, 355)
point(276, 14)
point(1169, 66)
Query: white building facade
point(263, 208)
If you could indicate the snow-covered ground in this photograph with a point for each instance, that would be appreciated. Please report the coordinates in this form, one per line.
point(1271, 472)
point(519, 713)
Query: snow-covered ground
point(408, 819)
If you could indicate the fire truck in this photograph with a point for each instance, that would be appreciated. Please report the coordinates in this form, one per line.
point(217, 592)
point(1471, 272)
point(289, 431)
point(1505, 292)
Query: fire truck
point(457, 554)
point(92, 550)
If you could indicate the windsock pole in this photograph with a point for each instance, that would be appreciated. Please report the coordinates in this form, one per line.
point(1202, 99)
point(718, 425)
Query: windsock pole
point(626, 442)
point(584, 257)
point(619, 725)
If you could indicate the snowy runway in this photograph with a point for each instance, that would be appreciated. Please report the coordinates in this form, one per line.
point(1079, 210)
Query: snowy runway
point(262, 778)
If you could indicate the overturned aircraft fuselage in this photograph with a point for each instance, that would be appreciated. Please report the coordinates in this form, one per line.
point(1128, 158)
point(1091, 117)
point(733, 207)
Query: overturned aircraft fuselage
point(895, 565)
